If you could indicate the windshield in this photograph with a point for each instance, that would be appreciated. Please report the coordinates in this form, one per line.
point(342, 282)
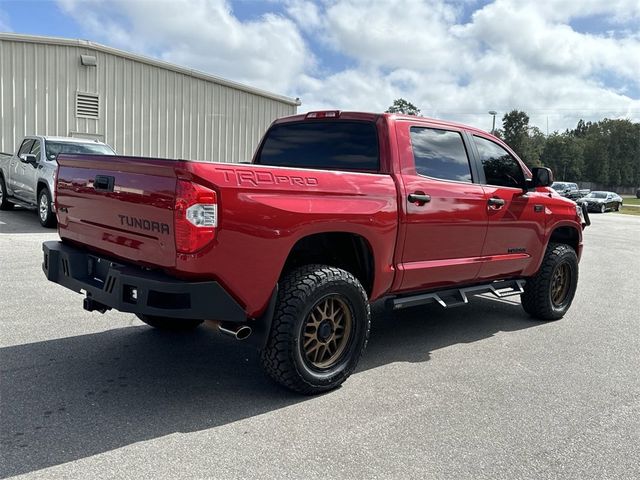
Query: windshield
point(597, 195)
point(53, 149)
point(558, 186)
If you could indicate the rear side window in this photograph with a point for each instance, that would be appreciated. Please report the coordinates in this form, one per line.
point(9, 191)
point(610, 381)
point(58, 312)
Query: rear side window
point(333, 145)
point(440, 154)
point(500, 168)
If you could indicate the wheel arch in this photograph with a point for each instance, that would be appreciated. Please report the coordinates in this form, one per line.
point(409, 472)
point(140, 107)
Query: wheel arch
point(568, 235)
point(346, 250)
point(41, 185)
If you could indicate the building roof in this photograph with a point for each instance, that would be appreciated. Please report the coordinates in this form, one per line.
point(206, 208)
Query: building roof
point(15, 37)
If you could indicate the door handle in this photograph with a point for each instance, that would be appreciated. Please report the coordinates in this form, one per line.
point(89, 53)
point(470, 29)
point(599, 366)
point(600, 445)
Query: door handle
point(496, 203)
point(104, 183)
point(419, 198)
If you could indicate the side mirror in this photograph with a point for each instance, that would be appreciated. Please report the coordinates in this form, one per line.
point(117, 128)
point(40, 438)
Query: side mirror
point(30, 158)
point(542, 177)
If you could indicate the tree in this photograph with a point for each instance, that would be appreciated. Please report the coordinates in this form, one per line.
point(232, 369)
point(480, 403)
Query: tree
point(563, 154)
point(400, 105)
point(527, 142)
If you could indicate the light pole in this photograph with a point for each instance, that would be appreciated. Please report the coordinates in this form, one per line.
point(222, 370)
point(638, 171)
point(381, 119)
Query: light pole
point(493, 125)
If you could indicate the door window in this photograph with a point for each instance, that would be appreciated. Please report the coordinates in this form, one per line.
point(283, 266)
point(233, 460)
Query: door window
point(440, 154)
point(35, 150)
point(26, 146)
point(500, 168)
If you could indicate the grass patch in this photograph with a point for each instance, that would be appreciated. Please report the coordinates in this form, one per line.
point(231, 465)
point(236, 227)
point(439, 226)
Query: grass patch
point(630, 210)
point(631, 201)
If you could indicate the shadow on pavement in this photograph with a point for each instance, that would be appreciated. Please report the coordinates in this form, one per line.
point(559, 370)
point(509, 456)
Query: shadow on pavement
point(71, 398)
point(21, 220)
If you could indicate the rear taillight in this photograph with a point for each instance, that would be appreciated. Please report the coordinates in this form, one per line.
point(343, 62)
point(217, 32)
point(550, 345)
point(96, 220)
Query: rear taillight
point(195, 216)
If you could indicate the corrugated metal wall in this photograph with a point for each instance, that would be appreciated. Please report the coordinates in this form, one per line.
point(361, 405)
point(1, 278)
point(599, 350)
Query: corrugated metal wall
point(145, 110)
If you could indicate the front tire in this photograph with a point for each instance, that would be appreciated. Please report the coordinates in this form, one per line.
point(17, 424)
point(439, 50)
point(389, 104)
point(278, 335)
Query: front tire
point(5, 204)
point(549, 293)
point(603, 208)
point(320, 329)
point(45, 213)
point(167, 323)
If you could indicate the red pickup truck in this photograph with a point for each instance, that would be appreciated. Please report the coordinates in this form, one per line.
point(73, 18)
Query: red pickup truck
point(337, 209)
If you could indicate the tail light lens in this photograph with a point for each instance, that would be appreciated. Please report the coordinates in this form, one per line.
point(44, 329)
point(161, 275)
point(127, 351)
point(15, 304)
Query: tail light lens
point(195, 216)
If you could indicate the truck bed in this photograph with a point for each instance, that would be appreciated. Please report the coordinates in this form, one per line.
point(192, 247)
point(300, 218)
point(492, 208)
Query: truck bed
point(124, 208)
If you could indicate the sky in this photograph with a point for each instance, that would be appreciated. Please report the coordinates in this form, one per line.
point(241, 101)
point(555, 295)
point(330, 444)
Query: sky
point(558, 60)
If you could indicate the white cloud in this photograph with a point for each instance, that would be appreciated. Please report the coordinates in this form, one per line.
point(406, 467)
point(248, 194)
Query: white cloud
point(202, 34)
point(510, 54)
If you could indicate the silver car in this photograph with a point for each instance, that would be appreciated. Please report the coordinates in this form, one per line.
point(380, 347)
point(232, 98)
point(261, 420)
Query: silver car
point(26, 178)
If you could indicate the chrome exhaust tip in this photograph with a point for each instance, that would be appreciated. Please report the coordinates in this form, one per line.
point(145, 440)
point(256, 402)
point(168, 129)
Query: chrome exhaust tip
point(239, 332)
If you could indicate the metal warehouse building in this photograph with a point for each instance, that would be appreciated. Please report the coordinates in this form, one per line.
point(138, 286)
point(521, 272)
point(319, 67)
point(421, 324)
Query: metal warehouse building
point(139, 106)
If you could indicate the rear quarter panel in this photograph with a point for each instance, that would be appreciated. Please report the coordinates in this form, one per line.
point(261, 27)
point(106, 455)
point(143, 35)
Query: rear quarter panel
point(264, 211)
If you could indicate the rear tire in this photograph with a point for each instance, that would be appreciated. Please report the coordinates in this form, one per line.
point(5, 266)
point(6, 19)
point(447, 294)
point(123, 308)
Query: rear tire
point(320, 329)
point(549, 293)
point(5, 204)
point(167, 323)
point(45, 214)
point(603, 208)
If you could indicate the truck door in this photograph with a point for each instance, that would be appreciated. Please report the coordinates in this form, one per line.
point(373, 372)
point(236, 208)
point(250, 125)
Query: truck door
point(31, 172)
point(516, 219)
point(443, 212)
point(19, 170)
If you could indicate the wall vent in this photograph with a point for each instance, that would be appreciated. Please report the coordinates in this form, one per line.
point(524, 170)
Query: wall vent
point(87, 105)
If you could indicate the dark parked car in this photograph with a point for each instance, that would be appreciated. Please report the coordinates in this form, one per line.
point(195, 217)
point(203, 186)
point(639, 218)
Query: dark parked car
point(602, 201)
point(638, 193)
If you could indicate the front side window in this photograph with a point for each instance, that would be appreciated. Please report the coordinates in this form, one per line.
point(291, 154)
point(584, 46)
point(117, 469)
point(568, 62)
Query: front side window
point(440, 154)
point(26, 147)
point(335, 145)
point(35, 150)
point(500, 168)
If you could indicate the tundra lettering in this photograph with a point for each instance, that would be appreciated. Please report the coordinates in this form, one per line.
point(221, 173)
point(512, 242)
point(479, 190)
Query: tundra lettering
point(143, 224)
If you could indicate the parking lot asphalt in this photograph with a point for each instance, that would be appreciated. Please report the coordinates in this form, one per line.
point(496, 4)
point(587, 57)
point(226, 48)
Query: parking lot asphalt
point(475, 392)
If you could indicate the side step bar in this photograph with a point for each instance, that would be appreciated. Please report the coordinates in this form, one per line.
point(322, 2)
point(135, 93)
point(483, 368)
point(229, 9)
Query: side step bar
point(459, 296)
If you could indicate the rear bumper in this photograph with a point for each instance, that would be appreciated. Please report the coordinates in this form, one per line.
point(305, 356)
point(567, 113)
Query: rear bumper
point(112, 285)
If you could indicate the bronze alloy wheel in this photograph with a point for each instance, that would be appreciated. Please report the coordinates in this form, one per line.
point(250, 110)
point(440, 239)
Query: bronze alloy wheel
point(327, 332)
point(560, 284)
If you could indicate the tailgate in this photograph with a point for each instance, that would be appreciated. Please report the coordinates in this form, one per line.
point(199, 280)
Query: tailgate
point(119, 206)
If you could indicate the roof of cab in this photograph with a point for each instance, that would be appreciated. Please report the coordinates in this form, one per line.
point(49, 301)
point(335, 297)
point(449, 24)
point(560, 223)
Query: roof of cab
point(372, 117)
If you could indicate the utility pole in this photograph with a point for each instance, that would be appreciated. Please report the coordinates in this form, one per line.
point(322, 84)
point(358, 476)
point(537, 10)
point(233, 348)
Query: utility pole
point(493, 125)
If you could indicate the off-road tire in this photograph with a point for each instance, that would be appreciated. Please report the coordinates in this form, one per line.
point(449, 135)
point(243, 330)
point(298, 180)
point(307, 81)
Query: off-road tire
point(537, 296)
point(45, 213)
point(167, 323)
point(5, 204)
point(302, 290)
